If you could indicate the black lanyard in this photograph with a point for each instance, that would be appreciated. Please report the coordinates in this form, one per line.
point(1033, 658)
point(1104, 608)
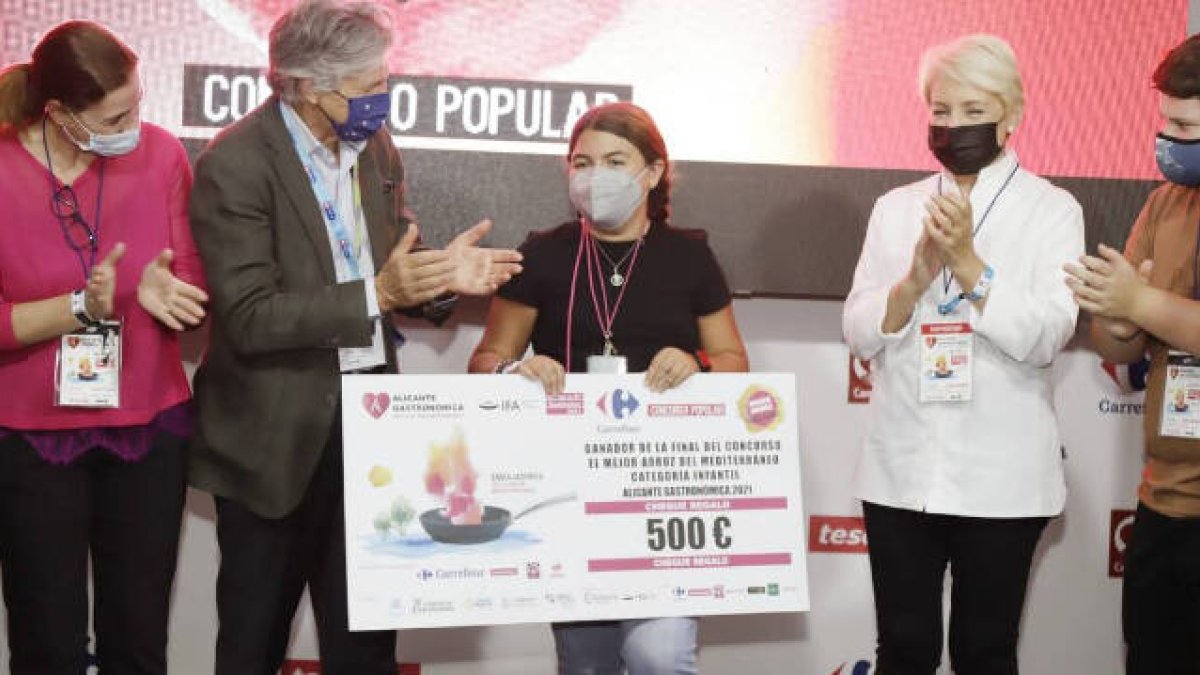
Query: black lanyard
point(93, 231)
point(947, 277)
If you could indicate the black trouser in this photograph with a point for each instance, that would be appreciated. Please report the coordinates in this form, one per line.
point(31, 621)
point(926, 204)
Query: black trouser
point(1161, 595)
point(265, 565)
point(127, 515)
point(989, 560)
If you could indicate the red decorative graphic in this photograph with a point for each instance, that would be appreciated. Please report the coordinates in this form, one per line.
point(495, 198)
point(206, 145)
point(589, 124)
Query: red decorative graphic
point(860, 387)
point(1119, 529)
point(837, 534)
point(475, 39)
point(1116, 97)
point(376, 404)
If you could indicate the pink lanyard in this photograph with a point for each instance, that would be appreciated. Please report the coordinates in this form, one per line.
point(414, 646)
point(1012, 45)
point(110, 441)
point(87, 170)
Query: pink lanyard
point(604, 315)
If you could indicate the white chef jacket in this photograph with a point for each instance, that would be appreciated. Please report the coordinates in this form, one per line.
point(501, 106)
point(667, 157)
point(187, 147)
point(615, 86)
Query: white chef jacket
point(999, 454)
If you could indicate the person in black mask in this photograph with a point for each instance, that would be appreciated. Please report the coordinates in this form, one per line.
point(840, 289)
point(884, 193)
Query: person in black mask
point(1147, 301)
point(961, 466)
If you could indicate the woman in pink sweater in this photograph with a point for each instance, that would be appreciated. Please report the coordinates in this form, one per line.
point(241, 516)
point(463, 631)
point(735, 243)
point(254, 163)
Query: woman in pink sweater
point(98, 274)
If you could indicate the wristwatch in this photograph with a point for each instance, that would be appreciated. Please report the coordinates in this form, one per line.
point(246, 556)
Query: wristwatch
point(79, 309)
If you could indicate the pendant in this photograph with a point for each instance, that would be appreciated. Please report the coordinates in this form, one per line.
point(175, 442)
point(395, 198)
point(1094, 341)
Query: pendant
point(616, 279)
point(609, 349)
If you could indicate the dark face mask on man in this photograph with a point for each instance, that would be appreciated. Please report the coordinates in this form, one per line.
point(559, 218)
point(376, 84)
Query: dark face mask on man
point(1178, 159)
point(964, 150)
point(365, 115)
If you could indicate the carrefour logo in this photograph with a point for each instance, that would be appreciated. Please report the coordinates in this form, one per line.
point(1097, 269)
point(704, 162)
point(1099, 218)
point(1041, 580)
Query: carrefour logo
point(859, 667)
point(618, 403)
point(1129, 378)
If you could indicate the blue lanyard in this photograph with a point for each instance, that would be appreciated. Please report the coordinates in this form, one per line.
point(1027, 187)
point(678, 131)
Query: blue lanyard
point(94, 231)
point(947, 278)
point(329, 210)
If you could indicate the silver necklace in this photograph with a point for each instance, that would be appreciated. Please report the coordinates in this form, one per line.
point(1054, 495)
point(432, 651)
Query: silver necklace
point(616, 279)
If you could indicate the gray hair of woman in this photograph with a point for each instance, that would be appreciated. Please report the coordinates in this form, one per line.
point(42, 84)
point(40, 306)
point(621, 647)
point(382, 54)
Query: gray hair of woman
point(983, 61)
point(325, 40)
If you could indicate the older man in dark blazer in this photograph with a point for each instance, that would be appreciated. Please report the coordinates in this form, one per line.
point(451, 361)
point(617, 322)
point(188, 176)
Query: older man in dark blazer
point(299, 216)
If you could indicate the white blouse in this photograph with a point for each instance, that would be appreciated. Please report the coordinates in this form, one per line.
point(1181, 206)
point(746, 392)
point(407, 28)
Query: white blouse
point(997, 455)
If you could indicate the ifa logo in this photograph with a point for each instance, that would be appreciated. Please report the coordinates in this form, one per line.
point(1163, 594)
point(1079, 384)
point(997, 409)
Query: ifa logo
point(618, 404)
point(311, 667)
point(837, 534)
point(1120, 526)
point(859, 389)
point(376, 404)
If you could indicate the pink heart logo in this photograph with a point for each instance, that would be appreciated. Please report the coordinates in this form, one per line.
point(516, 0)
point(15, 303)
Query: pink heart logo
point(376, 404)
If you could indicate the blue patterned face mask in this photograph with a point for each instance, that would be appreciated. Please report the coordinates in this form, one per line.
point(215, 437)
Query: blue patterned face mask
point(1178, 159)
point(367, 115)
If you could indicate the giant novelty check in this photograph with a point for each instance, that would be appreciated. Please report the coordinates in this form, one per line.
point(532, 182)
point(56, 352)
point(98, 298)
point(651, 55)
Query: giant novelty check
point(477, 499)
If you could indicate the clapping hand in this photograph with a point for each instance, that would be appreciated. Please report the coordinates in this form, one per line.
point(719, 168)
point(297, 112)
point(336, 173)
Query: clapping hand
point(480, 271)
point(925, 264)
point(949, 226)
point(1107, 285)
point(102, 285)
point(410, 278)
point(175, 303)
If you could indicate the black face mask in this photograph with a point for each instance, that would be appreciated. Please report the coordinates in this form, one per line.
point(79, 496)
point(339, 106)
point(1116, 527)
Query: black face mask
point(964, 150)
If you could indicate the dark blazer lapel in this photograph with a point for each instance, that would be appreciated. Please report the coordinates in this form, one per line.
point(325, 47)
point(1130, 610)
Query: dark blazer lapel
point(295, 183)
point(378, 200)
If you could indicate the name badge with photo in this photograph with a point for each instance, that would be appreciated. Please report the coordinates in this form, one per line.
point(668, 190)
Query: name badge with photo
point(946, 351)
point(1181, 396)
point(89, 367)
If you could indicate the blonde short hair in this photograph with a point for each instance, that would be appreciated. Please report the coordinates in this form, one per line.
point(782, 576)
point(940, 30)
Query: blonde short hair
point(982, 61)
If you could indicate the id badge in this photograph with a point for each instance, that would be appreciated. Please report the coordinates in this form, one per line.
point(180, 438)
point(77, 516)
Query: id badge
point(1181, 396)
point(358, 358)
point(946, 362)
point(607, 364)
point(88, 368)
point(352, 359)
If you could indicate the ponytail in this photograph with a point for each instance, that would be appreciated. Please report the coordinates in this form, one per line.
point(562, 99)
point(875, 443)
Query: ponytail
point(76, 63)
point(14, 96)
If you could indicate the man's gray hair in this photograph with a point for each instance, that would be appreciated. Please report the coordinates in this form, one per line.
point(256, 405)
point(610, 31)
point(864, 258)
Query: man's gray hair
point(325, 40)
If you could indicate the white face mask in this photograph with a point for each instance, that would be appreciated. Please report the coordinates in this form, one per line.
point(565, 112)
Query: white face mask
point(107, 145)
point(606, 196)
